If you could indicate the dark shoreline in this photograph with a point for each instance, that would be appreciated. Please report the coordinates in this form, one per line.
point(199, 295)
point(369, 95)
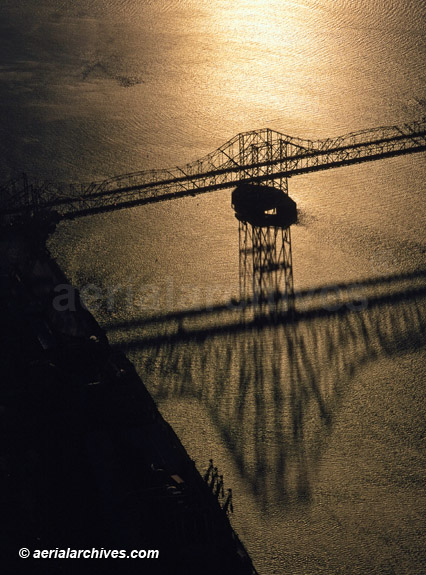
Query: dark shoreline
point(86, 459)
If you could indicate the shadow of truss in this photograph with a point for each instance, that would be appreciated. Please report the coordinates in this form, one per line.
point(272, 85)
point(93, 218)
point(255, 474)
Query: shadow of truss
point(272, 389)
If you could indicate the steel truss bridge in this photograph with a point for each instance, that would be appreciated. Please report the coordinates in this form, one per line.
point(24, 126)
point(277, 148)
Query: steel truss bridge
point(261, 156)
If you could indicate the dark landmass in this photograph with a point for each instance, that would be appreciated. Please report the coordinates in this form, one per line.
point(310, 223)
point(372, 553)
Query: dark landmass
point(86, 460)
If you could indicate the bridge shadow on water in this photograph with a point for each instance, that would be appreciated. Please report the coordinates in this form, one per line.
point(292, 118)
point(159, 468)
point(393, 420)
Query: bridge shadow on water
point(272, 386)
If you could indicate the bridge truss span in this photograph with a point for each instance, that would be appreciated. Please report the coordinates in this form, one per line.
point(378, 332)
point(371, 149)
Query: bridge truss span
point(261, 156)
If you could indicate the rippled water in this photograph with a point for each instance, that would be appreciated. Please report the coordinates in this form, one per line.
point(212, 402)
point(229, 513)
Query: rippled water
point(318, 427)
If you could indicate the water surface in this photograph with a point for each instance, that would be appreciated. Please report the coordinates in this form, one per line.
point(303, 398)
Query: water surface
point(317, 427)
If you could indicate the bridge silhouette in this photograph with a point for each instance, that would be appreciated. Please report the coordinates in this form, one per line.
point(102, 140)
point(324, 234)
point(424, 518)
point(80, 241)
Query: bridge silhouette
point(273, 388)
point(260, 157)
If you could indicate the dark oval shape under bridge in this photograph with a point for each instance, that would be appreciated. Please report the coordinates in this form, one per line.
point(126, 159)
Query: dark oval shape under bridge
point(263, 206)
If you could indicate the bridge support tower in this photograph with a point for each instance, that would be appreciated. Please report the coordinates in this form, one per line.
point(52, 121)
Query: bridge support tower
point(266, 268)
point(265, 215)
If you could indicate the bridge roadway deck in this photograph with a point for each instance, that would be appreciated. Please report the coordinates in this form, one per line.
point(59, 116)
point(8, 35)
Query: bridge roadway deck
point(162, 197)
point(262, 156)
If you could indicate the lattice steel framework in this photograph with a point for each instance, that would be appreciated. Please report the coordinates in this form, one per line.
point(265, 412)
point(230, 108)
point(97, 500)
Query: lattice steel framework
point(261, 156)
point(266, 269)
point(266, 265)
